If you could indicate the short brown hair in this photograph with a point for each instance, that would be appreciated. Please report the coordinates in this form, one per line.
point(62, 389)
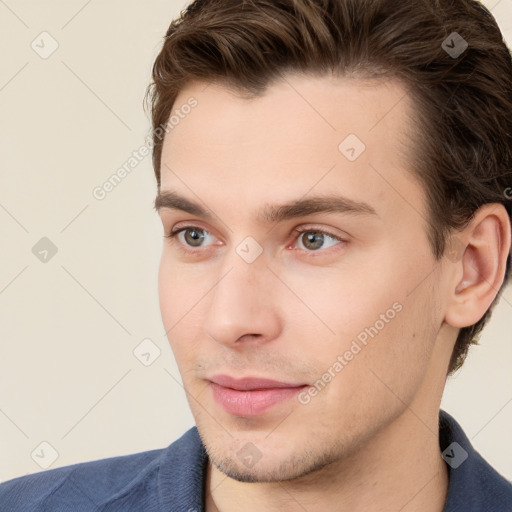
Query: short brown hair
point(463, 103)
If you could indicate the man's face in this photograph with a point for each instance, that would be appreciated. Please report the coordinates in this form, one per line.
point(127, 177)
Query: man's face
point(349, 309)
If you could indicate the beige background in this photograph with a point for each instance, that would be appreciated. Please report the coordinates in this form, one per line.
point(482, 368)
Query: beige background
point(68, 375)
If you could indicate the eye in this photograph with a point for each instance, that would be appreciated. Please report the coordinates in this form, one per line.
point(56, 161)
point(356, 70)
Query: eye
point(314, 239)
point(193, 236)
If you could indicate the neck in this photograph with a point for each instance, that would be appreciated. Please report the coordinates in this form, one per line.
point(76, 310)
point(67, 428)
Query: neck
point(400, 469)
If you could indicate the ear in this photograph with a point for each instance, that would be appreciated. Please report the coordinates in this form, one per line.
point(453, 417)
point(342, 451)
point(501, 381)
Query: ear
point(479, 257)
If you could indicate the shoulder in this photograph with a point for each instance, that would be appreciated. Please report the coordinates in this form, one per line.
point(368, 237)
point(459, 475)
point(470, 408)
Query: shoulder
point(474, 484)
point(89, 486)
point(87, 482)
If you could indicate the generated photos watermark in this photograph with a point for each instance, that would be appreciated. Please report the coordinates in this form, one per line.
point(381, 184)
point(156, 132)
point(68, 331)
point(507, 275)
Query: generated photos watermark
point(100, 192)
point(356, 346)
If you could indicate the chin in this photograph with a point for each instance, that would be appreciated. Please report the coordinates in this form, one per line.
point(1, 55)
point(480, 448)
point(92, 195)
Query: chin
point(280, 469)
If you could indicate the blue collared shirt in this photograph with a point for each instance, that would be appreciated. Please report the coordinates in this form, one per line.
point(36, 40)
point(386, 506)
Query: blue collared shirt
point(172, 480)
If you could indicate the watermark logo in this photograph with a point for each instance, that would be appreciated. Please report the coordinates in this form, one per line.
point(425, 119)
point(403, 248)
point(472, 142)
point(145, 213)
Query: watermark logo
point(454, 455)
point(147, 352)
point(249, 249)
point(249, 455)
point(44, 250)
point(44, 45)
point(455, 249)
point(44, 455)
point(352, 147)
point(454, 45)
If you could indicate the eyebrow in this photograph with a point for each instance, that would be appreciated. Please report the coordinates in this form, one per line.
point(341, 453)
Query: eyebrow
point(273, 213)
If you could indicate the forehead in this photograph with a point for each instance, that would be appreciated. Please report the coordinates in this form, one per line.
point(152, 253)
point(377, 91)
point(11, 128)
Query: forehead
point(336, 104)
point(303, 133)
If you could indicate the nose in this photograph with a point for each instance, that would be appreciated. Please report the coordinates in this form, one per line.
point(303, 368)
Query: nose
point(243, 306)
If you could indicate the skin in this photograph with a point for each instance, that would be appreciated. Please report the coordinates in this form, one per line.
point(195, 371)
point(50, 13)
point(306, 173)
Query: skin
point(369, 439)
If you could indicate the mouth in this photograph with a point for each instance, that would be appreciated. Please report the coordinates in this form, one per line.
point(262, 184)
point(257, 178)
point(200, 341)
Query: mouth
point(251, 396)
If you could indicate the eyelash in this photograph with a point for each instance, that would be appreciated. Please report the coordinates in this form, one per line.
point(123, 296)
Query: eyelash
point(298, 231)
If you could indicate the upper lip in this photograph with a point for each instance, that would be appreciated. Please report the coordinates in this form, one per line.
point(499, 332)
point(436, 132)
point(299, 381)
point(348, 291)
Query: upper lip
point(250, 383)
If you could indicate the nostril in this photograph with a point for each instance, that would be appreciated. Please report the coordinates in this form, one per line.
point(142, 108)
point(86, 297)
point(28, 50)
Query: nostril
point(248, 337)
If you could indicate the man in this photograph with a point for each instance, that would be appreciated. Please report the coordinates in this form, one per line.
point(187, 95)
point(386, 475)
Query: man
point(334, 183)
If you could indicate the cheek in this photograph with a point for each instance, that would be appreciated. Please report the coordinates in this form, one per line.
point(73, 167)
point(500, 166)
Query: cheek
point(180, 289)
point(178, 300)
point(167, 292)
point(394, 362)
point(344, 300)
point(368, 317)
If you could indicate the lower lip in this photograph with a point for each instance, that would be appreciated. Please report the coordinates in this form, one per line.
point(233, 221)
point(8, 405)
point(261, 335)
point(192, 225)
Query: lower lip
point(251, 403)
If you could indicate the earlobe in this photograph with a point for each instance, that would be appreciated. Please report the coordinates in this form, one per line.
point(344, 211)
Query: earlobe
point(479, 272)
